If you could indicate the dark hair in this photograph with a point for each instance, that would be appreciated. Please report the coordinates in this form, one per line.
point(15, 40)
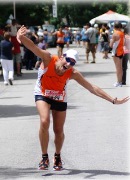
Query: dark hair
point(127, 30)
point(88, 24)
point(41, 39)
point(117, 25)
point(13, 21)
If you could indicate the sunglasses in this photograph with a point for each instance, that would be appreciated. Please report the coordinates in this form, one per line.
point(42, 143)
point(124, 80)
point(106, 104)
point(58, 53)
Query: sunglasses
point(72, 63)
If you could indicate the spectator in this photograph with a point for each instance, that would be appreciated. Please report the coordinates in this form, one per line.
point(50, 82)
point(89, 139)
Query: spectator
point(67, 37)
point(97, 35)
point(117, 44)
point(1, 33)
point(91, 42)
point(126, 55)
point(17, 59)
point(41, 45)
point(101, 40)
point(83, 36)
point(29, 56)
point(16, 51)
point(78, 38)
point(105, 43)
point(45, 34)
point(6, 59)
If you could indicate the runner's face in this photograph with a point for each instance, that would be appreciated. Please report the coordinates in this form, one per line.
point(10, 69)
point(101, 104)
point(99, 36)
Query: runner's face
point(68, 63)
point(63, 65)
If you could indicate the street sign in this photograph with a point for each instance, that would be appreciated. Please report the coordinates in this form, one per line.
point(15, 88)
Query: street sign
point(54, 7)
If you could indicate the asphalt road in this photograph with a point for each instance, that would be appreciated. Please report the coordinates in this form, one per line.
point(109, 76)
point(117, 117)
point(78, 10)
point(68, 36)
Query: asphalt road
point(96, 132)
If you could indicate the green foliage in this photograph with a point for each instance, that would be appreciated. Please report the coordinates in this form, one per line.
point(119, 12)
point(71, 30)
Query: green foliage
point(76, 14)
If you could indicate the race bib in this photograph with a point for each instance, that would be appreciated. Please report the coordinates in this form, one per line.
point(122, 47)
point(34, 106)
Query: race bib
point(55, 95)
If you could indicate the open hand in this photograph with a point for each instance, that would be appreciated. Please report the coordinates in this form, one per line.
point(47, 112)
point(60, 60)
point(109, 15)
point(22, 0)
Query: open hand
point(21, 32)
point(121, 101)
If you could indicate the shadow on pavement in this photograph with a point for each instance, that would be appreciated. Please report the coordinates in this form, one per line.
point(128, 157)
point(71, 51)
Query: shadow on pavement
point(17, 111)
point(20, 110)
point(14, 173)
point(90, 173)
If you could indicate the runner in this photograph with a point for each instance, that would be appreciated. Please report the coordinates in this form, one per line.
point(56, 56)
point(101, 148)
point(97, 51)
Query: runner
point(50, 94)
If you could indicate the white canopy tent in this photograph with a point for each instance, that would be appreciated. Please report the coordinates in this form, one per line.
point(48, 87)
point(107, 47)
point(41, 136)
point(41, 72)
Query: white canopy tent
point(110, 16)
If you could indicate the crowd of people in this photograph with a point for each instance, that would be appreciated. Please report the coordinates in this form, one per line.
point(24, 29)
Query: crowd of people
point(91, 37)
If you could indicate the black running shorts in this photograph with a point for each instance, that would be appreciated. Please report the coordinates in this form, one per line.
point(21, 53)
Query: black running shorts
point(55, 105)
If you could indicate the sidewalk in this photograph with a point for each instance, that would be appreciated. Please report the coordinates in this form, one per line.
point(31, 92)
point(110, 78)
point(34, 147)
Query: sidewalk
point(97, 132)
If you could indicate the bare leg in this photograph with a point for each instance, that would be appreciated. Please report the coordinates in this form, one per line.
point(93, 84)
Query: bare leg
point(58, 127)
point(60, 51)
point(87, 55)
point(93, 55)
point(119, 71)
point(44, 112)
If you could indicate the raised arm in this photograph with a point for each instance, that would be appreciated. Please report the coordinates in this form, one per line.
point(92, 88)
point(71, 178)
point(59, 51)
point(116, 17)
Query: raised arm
point(21, 37)
point(95, 89)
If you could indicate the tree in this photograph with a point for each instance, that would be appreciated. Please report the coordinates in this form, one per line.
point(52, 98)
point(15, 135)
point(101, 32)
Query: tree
point(76, 14)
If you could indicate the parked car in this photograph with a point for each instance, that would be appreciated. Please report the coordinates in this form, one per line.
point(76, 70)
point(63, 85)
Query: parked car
point(51, 38)
point(111, 25)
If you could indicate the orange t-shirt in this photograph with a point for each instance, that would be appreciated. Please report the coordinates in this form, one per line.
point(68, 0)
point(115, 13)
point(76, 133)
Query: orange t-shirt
point(60, 37)
point(120, 50)
point(52, 85)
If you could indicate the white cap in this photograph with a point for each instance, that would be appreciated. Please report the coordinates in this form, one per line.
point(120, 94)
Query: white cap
point(95, 25)
point(71, 53)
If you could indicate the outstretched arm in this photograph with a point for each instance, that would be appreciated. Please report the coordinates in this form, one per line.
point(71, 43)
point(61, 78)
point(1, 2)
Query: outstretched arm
point(95, 89)
point(21, 37)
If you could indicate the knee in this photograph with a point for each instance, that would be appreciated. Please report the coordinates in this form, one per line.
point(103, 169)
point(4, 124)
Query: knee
point(58, 131)
point(44, 124)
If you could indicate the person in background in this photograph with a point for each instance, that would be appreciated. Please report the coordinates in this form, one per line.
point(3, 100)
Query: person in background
point(17, 59)
point(126, 55)
point(105, 43)
point(29, 56)
point(6, 58)
point(2, 30)
point(83, 37)
point(101, 40)
point(41, 44)
point(67, 37)
point(91, 42)
point(16, 51)
point(97, 36)
point(117, 44)
point(60, 40)
point(51, 95)
point(45, 34)
point(77, 38)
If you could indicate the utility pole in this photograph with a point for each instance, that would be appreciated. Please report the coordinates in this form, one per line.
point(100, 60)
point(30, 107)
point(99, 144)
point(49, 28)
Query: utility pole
point(14, 8)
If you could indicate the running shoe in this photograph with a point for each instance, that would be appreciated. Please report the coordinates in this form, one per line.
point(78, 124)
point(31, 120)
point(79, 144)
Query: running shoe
point(57, 163)
point(117, 84)
point(6, 84)
point(10, 82)
point(44, 164)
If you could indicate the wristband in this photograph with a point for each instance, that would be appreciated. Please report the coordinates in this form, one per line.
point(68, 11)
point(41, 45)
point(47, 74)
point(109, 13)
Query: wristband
point(114, 100)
